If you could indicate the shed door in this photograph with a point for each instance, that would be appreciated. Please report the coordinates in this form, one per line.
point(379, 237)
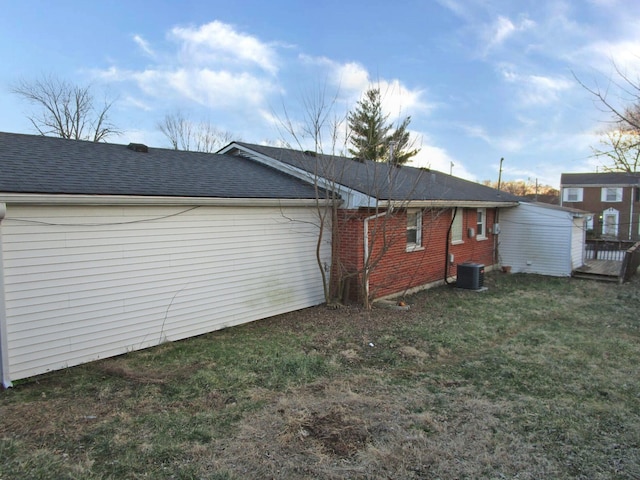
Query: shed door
point(84, 283)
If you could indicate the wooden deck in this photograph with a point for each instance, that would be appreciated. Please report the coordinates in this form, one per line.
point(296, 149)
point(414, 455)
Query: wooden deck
point(599, 270)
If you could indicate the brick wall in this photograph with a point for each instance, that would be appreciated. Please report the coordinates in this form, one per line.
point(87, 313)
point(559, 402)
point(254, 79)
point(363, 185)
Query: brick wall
point(395, 269)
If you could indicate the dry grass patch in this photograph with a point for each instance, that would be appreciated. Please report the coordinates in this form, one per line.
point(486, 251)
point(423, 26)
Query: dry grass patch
point(534, 378)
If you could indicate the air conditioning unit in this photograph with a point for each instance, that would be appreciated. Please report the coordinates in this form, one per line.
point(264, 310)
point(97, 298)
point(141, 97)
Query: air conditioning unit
point(470, 276)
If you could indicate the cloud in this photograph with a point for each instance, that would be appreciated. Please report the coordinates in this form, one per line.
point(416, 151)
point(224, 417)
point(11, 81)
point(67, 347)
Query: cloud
point(536, 89)
point(437, 158)
point(144, 45)
point(353, 80)
point(215, 67)
point(501, 29)
point(217, 43)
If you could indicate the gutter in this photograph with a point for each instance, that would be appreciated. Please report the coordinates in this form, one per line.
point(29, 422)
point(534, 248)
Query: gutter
point(67, 199)
point(451, 204)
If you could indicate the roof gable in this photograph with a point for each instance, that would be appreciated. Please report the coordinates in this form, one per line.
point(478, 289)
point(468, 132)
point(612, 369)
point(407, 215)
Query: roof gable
point(37, 164)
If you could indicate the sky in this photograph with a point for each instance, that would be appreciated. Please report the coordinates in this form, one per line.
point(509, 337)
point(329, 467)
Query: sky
point(481, 79)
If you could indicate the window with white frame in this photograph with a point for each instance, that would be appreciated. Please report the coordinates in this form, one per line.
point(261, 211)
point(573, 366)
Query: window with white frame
point(572, 195)
point(481, 228)
point(414, 229)
point(456, 225)
point(611, 194)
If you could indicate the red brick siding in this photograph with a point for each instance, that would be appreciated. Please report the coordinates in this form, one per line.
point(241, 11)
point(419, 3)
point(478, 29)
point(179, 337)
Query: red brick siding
point(592, 203)
point(396, 269)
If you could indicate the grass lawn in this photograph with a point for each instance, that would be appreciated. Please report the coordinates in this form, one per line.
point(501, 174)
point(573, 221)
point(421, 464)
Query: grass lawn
point(534, 378)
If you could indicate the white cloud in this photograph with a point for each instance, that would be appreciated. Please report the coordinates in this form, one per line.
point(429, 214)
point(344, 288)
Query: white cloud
point(144, 45)
point(217, 43)
point(216, 67)
point(353, 80)
point(537, 89)
point(351, 76)
point(503, 28)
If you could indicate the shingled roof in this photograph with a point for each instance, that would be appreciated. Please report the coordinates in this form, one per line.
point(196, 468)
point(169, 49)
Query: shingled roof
point(46, 165)
point(600, 179)
point(380, 180)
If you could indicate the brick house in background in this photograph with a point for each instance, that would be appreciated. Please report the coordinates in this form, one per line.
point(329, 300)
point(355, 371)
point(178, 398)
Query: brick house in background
point(414, 225)
point(613, 198)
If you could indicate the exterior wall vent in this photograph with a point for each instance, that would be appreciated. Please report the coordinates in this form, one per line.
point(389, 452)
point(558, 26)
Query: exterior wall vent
point(138, 147)
point(470, 276)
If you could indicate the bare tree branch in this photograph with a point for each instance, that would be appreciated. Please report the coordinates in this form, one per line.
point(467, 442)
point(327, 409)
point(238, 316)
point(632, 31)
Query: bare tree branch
point(66, 110)
point(184, 134)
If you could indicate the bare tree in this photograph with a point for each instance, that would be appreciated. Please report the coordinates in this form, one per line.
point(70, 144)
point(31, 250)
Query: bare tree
point(185, 134)
point(621, 148)
point(621, 140)
point(327, 133)
point(66, 110)
point(522, 188)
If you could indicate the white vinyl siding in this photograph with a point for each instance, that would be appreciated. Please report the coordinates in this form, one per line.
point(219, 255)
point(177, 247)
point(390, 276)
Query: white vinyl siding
point(542, 240)
point(83, 283)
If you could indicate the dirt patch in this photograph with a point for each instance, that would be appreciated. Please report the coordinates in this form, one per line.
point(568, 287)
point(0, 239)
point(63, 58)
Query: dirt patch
point(338, 431)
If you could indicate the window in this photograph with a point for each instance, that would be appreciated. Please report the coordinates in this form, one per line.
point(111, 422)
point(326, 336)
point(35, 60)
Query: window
point(611, 194)
point(414, 229)
point(572, 195)
point(456, 226)
point(481, 232)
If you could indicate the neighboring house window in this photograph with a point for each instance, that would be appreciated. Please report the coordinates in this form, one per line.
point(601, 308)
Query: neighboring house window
point(481, 230)
point(590, 222)
point(456, 226)
point(572, 195)
point(414, 229)
point(611, 194)
point(610, 222)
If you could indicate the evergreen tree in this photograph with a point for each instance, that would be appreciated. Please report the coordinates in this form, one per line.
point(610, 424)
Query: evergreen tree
point(371, 134)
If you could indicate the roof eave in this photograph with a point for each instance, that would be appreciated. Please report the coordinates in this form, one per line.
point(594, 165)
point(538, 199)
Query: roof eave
point(65, 199)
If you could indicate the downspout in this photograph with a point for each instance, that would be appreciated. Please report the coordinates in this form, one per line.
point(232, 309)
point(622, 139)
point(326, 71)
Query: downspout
point(4, 344)
point(365, 269)
point(631, 213)
point(446, 252)
point(496, 241)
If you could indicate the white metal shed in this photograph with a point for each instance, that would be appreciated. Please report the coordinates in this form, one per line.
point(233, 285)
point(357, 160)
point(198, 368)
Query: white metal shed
point(542, 238)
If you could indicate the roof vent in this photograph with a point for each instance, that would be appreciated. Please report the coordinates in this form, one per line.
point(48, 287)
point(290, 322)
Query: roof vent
point(138, 147)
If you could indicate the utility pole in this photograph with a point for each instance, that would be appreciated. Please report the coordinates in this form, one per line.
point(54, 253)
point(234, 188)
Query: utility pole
point(500, 173)
point(451, 168)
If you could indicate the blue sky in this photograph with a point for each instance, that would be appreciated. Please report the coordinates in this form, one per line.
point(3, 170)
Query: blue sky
point(481, 79)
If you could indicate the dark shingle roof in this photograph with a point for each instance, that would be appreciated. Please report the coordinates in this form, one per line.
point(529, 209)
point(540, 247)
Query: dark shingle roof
point(599, 179)
point(372, 178)
point(48, 165)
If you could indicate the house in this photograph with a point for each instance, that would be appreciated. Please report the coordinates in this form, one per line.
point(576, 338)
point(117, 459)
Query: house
point(398, 229)
point(542, 238)
point(109, 248)
point(613, 198)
